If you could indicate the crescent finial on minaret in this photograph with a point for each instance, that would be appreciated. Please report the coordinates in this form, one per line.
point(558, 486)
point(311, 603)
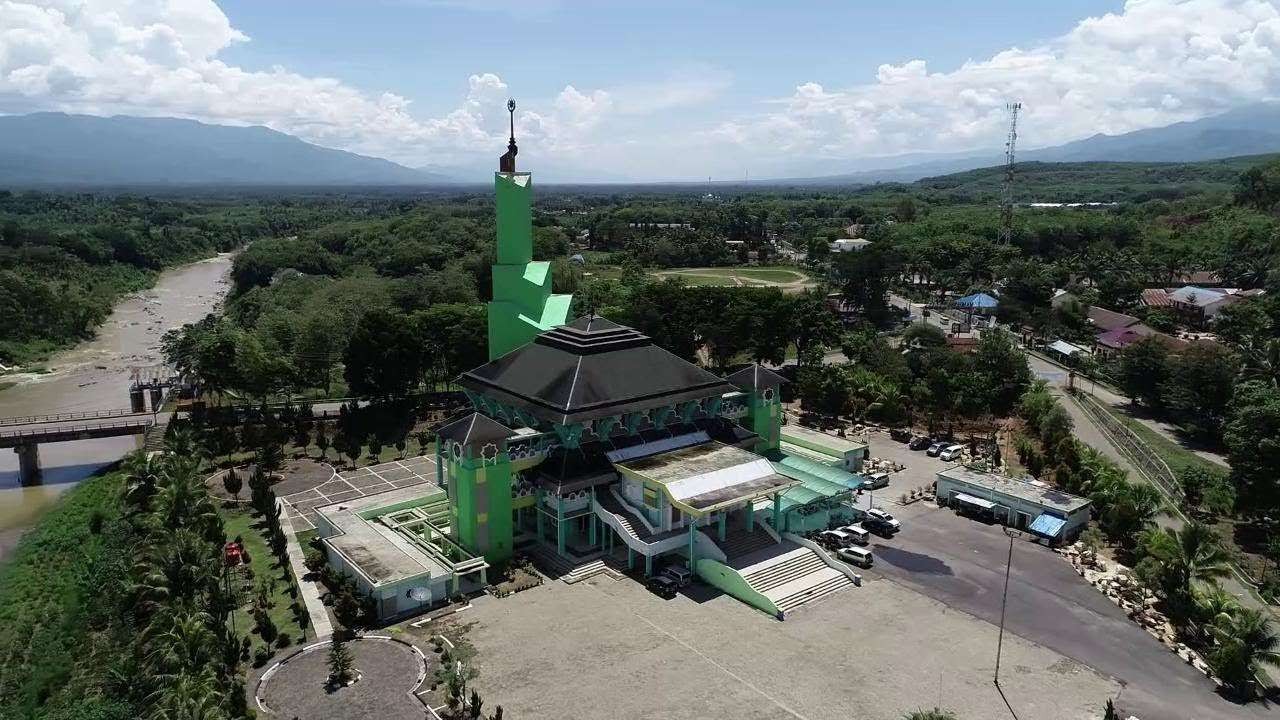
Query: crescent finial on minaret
point(507, 163)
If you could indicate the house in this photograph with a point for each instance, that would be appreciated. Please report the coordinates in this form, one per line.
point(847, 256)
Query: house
point(1104, 320)
point(1199, 305)
point(848, 245)
point(1066, 351)
point(1107, 344)
point(962, 344)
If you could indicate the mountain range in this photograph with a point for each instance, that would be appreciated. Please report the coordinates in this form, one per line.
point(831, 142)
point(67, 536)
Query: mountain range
point(57, 149)
point(1251, 130)
point(60, 149)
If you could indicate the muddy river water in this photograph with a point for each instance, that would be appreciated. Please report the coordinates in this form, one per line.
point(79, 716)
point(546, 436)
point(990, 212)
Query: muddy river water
point(95, 375)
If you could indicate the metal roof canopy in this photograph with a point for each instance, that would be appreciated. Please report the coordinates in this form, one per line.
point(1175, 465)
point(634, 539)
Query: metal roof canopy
point(703, 478)
point(1047, 525)
point(975, 501)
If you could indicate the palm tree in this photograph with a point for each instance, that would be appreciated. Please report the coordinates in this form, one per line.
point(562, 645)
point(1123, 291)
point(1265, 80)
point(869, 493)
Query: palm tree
point(178, 641)
point(176, 567)
point(141, 475)
point(1185, 558)
point(1245, 642)
point(188, 697)
point(1127, 508)
point(1214, 603)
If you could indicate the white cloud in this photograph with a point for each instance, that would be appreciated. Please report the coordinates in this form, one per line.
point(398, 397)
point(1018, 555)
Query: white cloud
point(1154, 63)
point(160, 57)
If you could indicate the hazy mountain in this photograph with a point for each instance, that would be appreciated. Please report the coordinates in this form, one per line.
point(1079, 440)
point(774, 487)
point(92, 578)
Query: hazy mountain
point(1252, 130)
point(60, 149)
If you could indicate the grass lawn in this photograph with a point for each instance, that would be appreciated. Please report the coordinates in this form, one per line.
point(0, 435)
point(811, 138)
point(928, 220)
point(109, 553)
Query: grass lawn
point(1173, 454)
point(239, 522)
point(762, 274)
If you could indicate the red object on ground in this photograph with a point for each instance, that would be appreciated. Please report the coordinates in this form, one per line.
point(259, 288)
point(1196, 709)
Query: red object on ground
point(233, 553)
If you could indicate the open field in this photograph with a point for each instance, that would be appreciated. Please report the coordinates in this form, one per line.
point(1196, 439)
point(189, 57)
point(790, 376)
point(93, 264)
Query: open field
point(789, 279)
point(238, 522)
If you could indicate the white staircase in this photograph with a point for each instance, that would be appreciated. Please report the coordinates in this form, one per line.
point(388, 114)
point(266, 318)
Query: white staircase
point(570, 571)
point(795, 577)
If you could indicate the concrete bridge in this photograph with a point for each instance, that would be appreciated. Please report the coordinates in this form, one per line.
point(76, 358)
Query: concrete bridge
point(25, 434)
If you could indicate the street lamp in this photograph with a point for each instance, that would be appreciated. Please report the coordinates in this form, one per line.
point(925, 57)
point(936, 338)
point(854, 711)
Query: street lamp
point(1004, 601)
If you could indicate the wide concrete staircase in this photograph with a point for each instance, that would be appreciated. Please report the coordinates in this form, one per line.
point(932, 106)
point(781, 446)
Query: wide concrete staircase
point(794, 577)
point(567, 569)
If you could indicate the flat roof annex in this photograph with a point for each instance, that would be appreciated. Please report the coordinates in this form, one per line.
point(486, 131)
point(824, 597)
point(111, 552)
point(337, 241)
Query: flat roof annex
point(985, 483)
point(702, 478)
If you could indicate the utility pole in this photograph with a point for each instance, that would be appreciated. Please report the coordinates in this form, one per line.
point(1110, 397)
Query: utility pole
point(1006, 193)
point(1004, 601)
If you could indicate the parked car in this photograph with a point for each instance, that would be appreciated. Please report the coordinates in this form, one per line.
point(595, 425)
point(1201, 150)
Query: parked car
point(859, 534)
point(680, 574)
point(875, 481)
point(900, 434)
point(937, 447)
point(857, 556)
point(662, 586)
point(920, 442)
point(951, 452)
point(881, 523)
point(832, 539)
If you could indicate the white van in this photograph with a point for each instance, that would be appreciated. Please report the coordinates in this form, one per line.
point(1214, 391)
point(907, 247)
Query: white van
point(835, 539)
point(858, 533)
point(952, 452)
point(856, 556)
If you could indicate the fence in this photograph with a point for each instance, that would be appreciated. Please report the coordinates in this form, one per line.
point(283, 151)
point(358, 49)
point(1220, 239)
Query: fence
point(1147, 462)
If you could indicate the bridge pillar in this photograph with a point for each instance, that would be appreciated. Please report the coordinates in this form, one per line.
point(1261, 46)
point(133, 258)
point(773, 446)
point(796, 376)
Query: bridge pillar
point(28, 464)
point(137, 401)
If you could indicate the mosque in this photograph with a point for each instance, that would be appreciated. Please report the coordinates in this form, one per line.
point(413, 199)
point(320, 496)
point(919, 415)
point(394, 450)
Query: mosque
point(590, 447)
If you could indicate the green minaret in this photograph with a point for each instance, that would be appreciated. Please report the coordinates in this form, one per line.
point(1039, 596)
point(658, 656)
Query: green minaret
point(764, 403)
point(522, 304)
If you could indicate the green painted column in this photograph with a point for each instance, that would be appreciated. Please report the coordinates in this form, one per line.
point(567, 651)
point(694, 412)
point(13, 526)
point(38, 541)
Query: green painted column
point(591, 524)
point(751, 515)
point(631, 558)
point(648, 565)
point(777, 511)
point(480, 505)
point(724, 517)
point(560, 528)
point(538, 512)
point(692, 529)
point(439, 464)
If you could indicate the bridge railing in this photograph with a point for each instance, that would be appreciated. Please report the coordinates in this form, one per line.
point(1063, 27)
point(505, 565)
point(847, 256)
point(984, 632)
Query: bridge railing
point(64, 417)
point(37, 432)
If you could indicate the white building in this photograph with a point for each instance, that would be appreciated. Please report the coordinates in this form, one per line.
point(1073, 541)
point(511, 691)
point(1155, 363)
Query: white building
point(848, 245)
point(1027, 505)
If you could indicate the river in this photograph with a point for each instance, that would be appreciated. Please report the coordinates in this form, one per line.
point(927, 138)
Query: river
point(94, 375)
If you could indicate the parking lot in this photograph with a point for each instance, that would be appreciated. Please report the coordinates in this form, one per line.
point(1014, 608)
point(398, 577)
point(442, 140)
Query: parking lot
point(961, 563)
point(610, 649)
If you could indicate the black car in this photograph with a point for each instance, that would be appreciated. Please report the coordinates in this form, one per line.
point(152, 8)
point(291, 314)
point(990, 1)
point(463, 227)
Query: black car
point(662, 586)
point(920, 442)
point(879, 527)
point(900, 434)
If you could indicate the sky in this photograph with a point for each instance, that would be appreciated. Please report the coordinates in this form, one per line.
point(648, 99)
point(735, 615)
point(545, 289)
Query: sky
point(651, 89)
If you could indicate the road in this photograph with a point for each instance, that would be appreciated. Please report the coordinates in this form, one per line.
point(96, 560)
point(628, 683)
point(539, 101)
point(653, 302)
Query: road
point(961, 563)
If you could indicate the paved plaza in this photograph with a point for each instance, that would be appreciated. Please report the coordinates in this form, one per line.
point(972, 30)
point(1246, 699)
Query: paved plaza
point(610, 649)
point(391, 672)
point(300, 505)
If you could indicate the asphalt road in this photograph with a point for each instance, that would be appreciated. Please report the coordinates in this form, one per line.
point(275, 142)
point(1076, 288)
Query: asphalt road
point(961, 563)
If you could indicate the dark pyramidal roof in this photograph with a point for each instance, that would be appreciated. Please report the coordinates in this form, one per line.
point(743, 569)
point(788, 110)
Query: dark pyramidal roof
point(755, 377)
point(591, 368)
point(475, 429)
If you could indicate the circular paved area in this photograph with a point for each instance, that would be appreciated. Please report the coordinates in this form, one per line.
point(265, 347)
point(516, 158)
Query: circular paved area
point(389, 676)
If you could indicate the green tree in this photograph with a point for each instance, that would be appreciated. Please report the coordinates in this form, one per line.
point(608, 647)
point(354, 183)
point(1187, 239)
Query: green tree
point(341, 663)
point(232, 483)
point(1181, 559)
point(1245, 641)
point(383, 357)
point(1143, 370)
point(1197, 388)
point(1252, 437)
point(322, 440)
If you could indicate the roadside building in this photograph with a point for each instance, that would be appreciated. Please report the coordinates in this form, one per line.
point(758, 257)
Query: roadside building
point(977, 304)
point(1108, 344)
point(1066, 352)
point(848, 245)
point(1040, 509)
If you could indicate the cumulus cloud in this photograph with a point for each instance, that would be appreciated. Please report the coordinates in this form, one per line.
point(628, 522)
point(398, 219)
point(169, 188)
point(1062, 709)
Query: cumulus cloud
point(1154, 63)
point(160, 57)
